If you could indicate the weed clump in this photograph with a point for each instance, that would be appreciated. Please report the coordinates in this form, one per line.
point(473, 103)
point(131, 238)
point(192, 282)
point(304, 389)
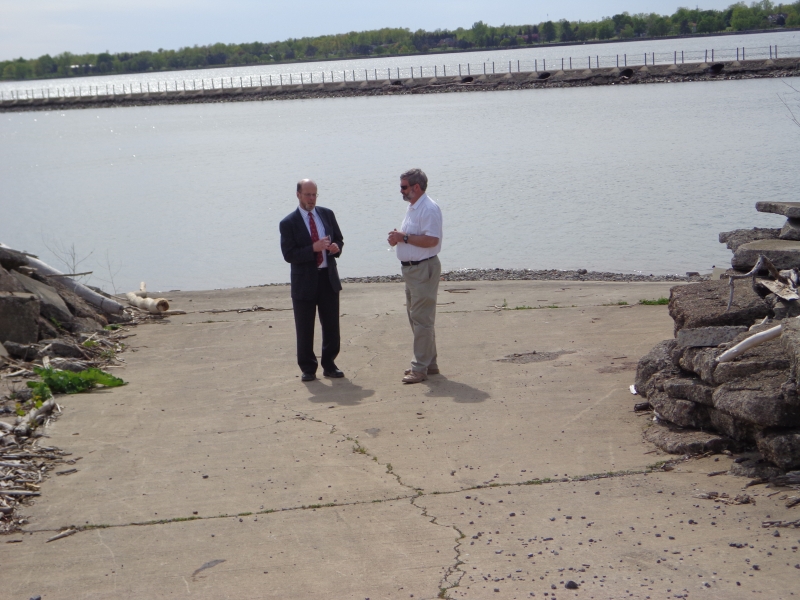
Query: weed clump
point(67, 382)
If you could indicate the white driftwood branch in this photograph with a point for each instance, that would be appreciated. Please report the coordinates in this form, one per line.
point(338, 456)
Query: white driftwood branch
point(34, 417)
point(751, 342)
point(752, 273)
point(155, 306)
point(92, 297)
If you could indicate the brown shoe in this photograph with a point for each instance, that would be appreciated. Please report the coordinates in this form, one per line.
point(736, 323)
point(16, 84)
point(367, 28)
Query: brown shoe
point(415, 377)
point(431, 371)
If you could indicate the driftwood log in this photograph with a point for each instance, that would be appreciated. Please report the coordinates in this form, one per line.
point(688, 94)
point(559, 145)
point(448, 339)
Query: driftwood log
point(155, 306)
point(34, 418)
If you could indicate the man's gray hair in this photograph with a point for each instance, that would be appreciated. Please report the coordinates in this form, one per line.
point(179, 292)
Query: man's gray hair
point(416, 176)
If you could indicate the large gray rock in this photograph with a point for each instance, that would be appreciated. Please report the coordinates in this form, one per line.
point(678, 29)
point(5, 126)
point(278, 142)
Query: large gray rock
point(790, 342)
point(780, 446)
point(682, 441)
point(733, 428)
point(689, 388)
point(734, 239)
point(704, 304)
point(784, 254)
point(790, 230)
point(760, 399)
point(8, 283)
point(658, 359)
point(59, 347)
point(3, 355)
point(22, 351)
point(77, 305)
point(11, 259)
point(53, 307)
point(769, 356)
point(19, 317)
point(787, 209)
point(682, 413)
point(709, 336)
point(701, 362)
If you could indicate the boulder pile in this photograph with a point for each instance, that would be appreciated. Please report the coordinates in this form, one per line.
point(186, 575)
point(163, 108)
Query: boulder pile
point(39, 311)
point(703, 404)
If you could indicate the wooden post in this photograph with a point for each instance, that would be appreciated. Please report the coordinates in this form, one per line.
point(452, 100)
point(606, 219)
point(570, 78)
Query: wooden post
point(743, 58)
point(712, 55)
point(484, 68)
point(562, 63)
point(706, 58)
point(435, 71)
point(654, 58)
point(492, 68)
point(459, 69)
point(570, 63)
point(468, 73)
point(676, 57)
point(618, 61)
point(536, 65)
point(597, 61)
point(544, 64)
point(281, 79)
point(625, 58)
point(412, 72)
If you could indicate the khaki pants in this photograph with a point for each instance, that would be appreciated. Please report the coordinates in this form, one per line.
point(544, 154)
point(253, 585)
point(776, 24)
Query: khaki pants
point(422, 286)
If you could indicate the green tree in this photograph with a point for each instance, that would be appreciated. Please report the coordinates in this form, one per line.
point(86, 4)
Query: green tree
point(566, 35)
point(548, 31)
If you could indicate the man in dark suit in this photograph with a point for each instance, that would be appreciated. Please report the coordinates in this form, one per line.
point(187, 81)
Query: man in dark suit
point(311, 242)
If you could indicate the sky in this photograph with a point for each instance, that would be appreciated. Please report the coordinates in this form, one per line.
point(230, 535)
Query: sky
point(31, 28)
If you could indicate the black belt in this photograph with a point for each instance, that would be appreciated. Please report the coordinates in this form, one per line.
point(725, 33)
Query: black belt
point(412, 263)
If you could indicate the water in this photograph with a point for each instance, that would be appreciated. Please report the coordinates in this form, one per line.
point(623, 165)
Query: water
point(756, 46)
point(618, 178)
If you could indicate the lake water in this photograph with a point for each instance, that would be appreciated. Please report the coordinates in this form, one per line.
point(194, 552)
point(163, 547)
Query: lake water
point(667, 50)
point(616, 178)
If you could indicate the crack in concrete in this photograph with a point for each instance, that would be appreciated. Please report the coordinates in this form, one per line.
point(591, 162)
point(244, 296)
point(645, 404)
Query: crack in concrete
point(453, 573)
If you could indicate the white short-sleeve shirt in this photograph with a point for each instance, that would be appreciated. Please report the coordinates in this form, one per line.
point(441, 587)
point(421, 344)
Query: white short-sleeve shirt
point(424, 217)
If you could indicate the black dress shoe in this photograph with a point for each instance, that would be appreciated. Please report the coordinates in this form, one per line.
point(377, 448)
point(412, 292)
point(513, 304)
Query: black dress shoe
point(335, 373)
point(308, 377)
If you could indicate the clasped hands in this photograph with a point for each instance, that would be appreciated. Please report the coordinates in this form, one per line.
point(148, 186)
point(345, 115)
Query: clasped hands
point(325, 244)
point(395, 237)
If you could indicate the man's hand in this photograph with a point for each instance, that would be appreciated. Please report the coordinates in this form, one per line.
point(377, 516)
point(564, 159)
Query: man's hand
point(333, 248)
point(321, 244)
point(395, 237)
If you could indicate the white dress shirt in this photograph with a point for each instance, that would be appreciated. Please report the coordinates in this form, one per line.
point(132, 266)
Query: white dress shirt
point(320, 230)
point(424, 217)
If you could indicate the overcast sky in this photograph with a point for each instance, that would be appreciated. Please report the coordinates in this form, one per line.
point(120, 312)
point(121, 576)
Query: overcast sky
point(30, 28)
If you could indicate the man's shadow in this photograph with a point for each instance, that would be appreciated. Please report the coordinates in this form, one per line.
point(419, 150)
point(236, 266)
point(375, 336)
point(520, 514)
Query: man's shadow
point(342, 391)
point(440, 386)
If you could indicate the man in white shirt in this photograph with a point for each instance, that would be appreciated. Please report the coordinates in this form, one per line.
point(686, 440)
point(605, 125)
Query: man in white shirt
point(418, 243)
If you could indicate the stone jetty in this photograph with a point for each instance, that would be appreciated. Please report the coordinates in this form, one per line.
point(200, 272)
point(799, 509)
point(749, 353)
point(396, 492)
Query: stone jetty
point(704, 404)
point(248, 90)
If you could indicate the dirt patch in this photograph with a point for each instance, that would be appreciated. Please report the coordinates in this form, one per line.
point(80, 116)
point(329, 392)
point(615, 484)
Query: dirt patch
point(535, 356)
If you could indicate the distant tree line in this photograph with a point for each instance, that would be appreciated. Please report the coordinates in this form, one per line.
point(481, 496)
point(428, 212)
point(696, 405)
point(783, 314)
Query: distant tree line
point(737, 17)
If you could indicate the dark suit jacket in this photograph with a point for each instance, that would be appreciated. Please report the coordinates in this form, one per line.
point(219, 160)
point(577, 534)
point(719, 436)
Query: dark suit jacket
point(296, 247)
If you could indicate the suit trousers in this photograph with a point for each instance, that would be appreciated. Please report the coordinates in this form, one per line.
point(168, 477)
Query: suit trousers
point(422, 287)
point(327, 302)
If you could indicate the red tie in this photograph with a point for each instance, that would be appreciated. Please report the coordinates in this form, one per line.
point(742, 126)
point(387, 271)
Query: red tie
point(314, 237)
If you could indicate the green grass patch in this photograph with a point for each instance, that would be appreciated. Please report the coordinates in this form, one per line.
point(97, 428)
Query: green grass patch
point(112, 327)
point(657, 302)
point(67, 382)
point(620, 303)
point(90, 344)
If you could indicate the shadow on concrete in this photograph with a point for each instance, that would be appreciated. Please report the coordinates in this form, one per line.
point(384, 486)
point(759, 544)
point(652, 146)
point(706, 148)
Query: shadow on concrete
point(440, 386)
point(341, 391)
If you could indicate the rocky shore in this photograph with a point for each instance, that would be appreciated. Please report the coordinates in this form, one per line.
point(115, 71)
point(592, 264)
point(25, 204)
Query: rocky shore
point(536, 275)
point(556, 78)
